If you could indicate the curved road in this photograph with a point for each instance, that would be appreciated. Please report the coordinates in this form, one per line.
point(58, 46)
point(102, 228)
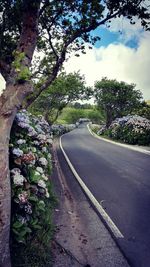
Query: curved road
point(119, 178)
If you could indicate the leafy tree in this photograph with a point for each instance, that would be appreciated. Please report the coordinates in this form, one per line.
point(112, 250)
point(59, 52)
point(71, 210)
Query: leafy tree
point(54, 29)
point(116, 98)
point(64, 90)
point(143, 110)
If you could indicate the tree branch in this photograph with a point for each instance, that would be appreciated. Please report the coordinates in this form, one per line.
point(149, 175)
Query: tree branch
point(62, 56)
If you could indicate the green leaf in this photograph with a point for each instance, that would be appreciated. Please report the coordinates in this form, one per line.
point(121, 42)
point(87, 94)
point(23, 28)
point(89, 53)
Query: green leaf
point(38, 227)
point(17, 225)
point(33, 198)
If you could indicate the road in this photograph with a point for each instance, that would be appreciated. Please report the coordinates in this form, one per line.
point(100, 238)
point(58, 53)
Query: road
point(119, 178)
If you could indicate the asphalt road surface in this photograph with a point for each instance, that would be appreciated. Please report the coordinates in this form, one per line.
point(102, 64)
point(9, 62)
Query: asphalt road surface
point(119, 178)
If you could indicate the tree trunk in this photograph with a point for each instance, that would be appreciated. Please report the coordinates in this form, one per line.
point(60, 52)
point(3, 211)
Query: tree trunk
point(46, 117)
point(5, 191)
point(109, 117)
point(52, 120)
point(10, 101)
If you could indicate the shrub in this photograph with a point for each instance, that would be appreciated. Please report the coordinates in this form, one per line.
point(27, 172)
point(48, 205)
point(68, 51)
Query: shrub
point(129, 129)
point(59, 129)
point(30, 168)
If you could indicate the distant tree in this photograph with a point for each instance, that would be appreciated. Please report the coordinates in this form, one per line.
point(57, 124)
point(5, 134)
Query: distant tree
point(78, 105)
point(116, 98)
point(65, 89)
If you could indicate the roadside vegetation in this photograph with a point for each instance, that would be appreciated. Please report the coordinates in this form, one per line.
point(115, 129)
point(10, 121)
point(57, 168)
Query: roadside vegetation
point(32, 195)
point(127, 114)
point(131, 129)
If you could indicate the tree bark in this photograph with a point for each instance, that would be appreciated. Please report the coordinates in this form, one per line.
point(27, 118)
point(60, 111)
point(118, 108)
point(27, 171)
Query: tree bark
point(10, 101)
point(109, 117)
point(5, 191)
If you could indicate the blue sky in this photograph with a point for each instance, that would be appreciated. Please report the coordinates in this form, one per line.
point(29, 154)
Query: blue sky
point(111, 37)
point(107, 37)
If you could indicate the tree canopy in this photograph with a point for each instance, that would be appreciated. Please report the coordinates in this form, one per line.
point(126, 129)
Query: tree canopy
point(116, 98)
point(63, 27)
point(65, 89)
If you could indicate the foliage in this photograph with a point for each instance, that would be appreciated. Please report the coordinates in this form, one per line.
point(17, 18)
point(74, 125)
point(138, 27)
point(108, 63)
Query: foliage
point(72, 115)
point(116, 98)
point(131, 129)
point(64, 27)
point(30, 165)
point(65, 89)
point(143, 110)
point(94, 127)
point(78, 105)
point(35, 254)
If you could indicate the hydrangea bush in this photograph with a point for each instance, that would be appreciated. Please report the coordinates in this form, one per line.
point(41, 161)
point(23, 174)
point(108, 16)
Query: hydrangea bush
point(131, 129)
point(30, 168)
point(59, 129)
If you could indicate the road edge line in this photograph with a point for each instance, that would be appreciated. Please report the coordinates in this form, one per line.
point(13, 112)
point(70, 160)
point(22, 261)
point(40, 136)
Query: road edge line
point(147, 152)
point(96, 204)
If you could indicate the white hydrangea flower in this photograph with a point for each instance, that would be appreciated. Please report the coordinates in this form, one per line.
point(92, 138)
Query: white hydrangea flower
point(49, 156)
point(18, 179)
point(32, 163)
point(31, 131)
point(50, 141)
point(15, 170)
point(39, 129)
point(18, 152)
point(40, 170)
point(44, 177)
point(42, 184)
point(21, 117)
point(25, 111)
point(28, 209)
point(41, 137)
point(47, 193)
point(21, 141)
point(43, 161)
point(23, 125)
point(44, 149)
point(36, 143)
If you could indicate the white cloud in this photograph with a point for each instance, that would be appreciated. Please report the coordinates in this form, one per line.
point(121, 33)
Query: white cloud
point(116, 61)
point(126, 29)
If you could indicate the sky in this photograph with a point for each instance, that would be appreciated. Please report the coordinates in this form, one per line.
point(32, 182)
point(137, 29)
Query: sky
point(121, 54)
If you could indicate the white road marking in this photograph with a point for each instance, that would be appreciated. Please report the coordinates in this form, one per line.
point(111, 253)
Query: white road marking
point(147, 152)
point(96, 204)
